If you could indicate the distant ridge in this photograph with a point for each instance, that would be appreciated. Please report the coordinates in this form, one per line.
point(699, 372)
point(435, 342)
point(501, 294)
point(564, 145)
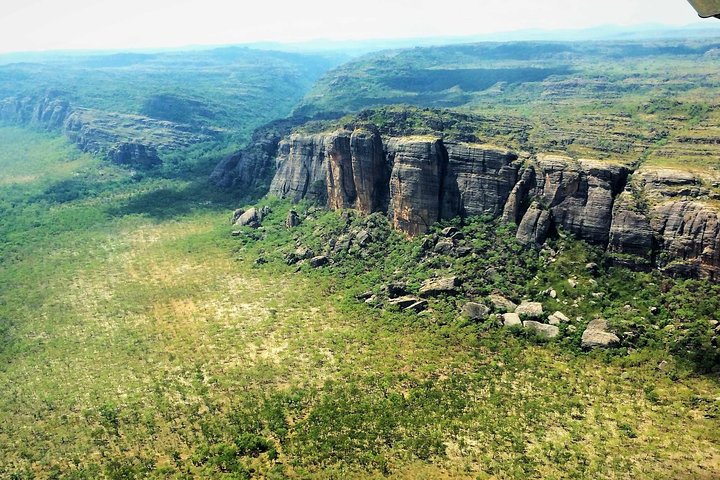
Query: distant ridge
point(704, 29)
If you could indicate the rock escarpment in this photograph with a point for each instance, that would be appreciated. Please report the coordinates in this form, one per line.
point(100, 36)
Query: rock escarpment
point(415, 180)
point(121, 138)
point(651, 218)
point(668, 218)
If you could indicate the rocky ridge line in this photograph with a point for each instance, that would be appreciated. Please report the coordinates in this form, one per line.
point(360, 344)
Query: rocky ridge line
point(121, 138)
point(418, 180)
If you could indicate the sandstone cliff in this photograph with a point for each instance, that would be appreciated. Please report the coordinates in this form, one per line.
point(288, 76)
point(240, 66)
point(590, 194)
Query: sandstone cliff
point(121, 138)
point(420, 179)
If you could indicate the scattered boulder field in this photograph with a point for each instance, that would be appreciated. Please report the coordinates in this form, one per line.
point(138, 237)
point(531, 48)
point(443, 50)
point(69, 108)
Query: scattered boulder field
point(495, 308)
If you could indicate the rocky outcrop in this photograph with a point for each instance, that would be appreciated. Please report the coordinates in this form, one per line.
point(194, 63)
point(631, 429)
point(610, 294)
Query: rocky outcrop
point(665, 219)
point(134, 154)
point(415, 180)
point(630, 231)
point(124, 139)
point(301, 169)
point(688, 233)
point(478, 179)
point(654, 218)
point(251, 170)
point(534, 226)
point(416, 183)
point(579, 196)
point(596, 335)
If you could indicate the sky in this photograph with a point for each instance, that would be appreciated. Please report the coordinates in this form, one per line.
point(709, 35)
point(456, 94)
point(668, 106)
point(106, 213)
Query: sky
point(32, 25)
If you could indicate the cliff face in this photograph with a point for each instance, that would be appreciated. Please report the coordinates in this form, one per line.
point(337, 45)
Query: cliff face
point(670, 219)
point(418, 180)
point(125, 139)
point(415, 180)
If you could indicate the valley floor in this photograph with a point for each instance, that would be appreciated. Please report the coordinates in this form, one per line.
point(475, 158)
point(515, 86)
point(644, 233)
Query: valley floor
point(140, 345)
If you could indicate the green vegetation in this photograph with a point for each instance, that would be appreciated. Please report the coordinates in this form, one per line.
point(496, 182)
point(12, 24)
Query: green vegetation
point(653, 101)
point(141, 340)
point(236, 89)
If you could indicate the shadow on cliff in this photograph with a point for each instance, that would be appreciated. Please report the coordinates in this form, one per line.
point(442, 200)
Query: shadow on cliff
point(178, 189)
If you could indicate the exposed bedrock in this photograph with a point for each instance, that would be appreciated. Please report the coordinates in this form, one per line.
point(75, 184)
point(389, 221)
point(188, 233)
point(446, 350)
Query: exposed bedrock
point(688, 234)
point(416, 183)
point(656, 219)
point(121, 138)
point(578, 194)
point(664, 219)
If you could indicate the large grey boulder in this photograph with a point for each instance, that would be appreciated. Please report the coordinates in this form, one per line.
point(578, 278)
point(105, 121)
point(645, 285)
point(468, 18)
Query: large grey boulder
point(530, 309)
point(544, 330)
point(557, 318)
point(252, 217)
point(319, 261)
point(292, 220)
point(444, 246)
point(511, 319)
point(363, 238)
point(502, 304)
point(597, 336)
point(439, 286)
point(475, 311)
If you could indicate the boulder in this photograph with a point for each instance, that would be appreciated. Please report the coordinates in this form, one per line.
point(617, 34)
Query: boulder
point(428, 243)
point(530, 309)
point(404, 302)
point(439, 286)
point(304, 253)
point(342, 244)
point(475, 311)
point(592, 267)
point(251, 218)
point(557, 318)
point(236, 214)
point(597, 336)
point(444, 246)
point(292, 220)
point(544, 330)
point(363, 238)
point(511, 320)
point(449, 231)
point(502, 304)
point(319, 261)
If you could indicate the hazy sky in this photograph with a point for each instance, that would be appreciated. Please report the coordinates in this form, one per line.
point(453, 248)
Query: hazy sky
point(101, 24)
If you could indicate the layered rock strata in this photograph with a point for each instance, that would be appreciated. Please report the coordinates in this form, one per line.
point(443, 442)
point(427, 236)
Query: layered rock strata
point(121, 138)
point(658, 219)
